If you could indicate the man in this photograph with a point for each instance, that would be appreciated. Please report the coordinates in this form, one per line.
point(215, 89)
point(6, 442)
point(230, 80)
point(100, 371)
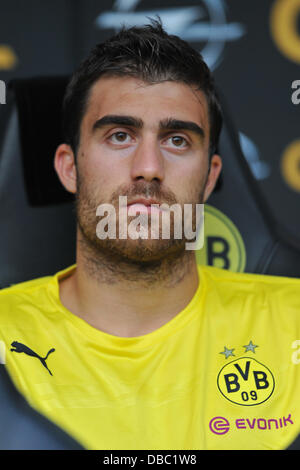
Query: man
point(137, 347)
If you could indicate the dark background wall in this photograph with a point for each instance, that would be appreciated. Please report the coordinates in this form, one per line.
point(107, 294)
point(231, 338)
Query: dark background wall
point(252, 46)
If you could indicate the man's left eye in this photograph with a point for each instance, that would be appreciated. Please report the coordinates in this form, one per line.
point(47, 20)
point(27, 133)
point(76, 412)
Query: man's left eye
point(178, 141)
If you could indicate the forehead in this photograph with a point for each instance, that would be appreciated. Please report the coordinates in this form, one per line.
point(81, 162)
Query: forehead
point(150, 102)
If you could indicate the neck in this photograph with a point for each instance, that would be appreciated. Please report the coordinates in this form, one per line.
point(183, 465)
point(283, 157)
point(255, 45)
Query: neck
point(125, 298)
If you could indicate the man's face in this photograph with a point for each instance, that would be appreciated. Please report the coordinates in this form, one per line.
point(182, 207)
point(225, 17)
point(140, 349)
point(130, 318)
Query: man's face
point(144, 142)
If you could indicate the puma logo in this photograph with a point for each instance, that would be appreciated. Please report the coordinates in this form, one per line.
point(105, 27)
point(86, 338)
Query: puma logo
point(21, 348)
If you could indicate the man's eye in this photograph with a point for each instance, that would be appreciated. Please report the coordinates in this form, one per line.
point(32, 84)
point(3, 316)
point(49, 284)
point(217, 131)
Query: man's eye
point(178, 141)
point(120, 138)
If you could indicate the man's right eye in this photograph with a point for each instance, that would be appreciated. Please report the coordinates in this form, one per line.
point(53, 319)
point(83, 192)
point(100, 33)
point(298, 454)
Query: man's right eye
point(120, 138)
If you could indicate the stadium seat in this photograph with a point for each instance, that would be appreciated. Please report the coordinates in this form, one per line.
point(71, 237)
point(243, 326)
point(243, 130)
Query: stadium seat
point(38, 233)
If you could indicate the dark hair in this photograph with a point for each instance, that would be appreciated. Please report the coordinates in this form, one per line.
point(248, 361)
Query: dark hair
point(147, 53)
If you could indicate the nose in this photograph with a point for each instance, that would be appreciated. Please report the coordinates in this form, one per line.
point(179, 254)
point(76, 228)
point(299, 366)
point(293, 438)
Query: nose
point(147, 162)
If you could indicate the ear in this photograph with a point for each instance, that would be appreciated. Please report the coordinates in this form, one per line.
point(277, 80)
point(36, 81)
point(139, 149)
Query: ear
point(213, 175)
point(65, 166)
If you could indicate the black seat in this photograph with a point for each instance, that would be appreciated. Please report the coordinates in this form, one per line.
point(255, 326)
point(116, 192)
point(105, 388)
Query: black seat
point(270, 249)
point(38, 233)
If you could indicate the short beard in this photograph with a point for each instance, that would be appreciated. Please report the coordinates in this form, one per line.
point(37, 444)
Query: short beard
point(146, 262)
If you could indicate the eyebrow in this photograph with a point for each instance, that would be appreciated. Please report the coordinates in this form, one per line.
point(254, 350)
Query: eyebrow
point(119, 120)
point(131, 121)
point(178, 125)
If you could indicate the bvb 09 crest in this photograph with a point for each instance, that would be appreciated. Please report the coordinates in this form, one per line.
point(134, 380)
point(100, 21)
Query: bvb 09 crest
point(245, 381)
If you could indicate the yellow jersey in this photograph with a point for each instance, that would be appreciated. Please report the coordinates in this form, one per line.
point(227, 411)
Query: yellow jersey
point(222, 374)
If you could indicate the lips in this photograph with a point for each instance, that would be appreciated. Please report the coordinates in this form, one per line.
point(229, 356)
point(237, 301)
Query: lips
point(144, 202)
point(143, 206)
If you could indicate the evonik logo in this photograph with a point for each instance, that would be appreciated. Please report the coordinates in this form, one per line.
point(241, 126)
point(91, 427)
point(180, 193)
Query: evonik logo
point(220, 425)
